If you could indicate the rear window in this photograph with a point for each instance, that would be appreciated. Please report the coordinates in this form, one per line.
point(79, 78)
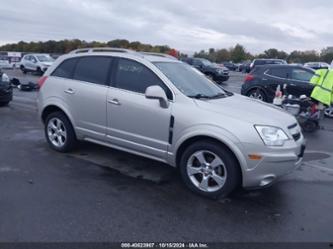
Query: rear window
point(93, 69)
point(65, 69)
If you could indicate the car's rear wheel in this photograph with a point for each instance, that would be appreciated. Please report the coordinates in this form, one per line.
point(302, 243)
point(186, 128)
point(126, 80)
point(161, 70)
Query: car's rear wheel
point(257, 94)
point(209, 169)
point(59, 132)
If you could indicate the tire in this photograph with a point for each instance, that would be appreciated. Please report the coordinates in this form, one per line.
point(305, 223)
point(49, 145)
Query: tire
point(59, 132)
point(39, 71)
point(226, 169)
point(4, 103)
point(23, 69)
point(257, 93)
point(310, 126)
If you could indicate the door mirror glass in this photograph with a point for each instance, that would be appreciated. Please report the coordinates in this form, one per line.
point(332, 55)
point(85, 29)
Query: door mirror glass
point(156, 92)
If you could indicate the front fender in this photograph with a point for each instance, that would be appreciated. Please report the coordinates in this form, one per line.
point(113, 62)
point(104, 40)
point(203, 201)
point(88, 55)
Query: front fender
point(215, 132)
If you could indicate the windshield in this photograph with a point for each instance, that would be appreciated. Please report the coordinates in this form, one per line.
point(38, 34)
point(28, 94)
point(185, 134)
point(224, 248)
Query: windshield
point(44, 58)
point(190, 81)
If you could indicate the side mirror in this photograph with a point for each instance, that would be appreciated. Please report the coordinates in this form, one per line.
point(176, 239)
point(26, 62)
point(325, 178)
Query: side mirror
point(156, 92)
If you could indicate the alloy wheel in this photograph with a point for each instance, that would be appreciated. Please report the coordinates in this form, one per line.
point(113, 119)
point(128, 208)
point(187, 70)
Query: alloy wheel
point(256, 95)
point(56, 132)
point(206, 170)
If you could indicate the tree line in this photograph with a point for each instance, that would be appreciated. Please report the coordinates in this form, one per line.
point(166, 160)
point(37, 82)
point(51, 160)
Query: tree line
point(235, 54)
point(238, 54)
point(65, 46)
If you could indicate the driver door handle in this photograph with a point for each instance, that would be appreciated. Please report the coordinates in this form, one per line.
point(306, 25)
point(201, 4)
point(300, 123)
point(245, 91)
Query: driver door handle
point(114, 101)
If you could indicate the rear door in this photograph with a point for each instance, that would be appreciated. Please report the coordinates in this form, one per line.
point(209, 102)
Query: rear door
point(85, 95)
point(274, 76)
point(299, 81)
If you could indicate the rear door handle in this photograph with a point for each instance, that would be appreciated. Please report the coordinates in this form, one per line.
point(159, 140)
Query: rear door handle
point(114, 101)
point(69, 91)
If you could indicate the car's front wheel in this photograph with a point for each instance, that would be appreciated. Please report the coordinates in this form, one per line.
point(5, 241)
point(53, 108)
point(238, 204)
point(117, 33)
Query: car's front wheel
point(59, 132)
point(209, 169)
point(23, 69)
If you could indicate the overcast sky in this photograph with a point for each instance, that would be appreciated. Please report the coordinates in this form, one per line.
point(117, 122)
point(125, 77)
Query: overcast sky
point(188, 25)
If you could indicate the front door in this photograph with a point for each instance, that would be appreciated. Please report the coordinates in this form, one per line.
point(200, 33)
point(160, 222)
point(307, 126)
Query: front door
point(135, 122)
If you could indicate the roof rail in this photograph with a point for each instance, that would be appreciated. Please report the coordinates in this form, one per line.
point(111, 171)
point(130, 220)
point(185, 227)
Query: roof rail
point(102, 49)
point(159, 54)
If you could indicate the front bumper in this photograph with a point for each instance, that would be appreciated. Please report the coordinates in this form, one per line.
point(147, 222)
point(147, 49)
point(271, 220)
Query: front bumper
point(221, 78)
point(275, 163)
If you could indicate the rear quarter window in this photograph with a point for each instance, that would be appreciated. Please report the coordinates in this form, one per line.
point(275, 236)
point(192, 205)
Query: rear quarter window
point(65, 69)
point(93, 69)
point(278, 72)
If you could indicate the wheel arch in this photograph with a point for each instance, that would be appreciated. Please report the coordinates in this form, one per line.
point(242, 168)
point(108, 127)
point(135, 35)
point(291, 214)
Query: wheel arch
point(234, 152)
point(54, 108)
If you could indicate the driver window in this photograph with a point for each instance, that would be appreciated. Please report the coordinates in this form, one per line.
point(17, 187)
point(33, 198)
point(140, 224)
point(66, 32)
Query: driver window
point(135, 77)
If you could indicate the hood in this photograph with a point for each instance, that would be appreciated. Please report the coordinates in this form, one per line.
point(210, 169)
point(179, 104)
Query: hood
point(249, 110)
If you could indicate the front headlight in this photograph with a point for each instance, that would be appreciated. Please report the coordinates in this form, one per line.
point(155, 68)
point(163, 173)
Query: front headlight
point(272, 136)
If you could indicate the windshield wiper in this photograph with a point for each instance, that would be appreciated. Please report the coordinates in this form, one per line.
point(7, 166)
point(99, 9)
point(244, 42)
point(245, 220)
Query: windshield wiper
point(219, 95)
point(199, 96)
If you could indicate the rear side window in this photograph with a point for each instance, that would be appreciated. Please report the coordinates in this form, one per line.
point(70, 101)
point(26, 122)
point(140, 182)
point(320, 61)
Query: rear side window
point(278, 72)
point(93, 69)
point(65, 69)
point(301, 74)
point(135, 77)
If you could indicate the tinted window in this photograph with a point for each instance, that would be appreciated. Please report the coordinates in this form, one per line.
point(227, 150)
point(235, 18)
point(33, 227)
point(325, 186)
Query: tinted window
point(65, 69)
point(301, 74)
point(259, 62)
point(134, 76)
point(197, 62)
point(92, 69)
point(278, 72)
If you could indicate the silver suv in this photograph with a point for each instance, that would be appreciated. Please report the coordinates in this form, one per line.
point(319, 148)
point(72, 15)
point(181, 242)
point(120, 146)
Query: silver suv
point(37, 63)
point(158, 107)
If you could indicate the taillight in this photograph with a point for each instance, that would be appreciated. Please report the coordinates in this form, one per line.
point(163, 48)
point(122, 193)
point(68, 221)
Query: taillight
point(249, 77)
point(41, 81)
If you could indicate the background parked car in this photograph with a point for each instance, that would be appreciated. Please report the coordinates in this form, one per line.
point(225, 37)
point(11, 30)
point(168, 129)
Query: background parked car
point(245, 67)
point(258, 62)
point(317, 65)
point(261, 83)
point(210, 69)
point(38, 63)
point(231, 66)
point(6, 91)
